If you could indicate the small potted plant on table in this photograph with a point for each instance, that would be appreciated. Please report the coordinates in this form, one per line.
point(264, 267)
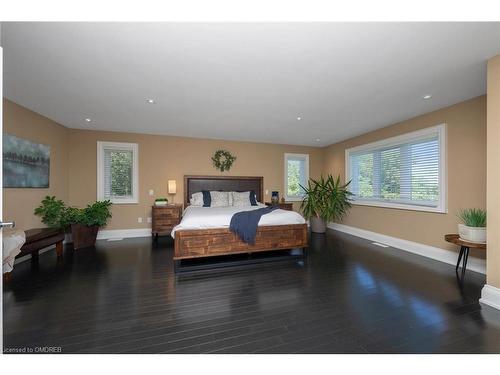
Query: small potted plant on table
point(83, 223)
point(325, 200)
point(161, 201)
point(473, 227)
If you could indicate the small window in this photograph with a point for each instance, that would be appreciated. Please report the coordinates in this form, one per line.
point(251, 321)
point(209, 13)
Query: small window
point(296, 174)
point(405, 172)
point(117, 172)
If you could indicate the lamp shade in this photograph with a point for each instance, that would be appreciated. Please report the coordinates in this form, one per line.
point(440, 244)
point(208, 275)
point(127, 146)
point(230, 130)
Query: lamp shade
point(172, 187)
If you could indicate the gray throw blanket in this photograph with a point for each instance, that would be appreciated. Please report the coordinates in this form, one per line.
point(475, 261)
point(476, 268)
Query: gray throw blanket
point(245, 223)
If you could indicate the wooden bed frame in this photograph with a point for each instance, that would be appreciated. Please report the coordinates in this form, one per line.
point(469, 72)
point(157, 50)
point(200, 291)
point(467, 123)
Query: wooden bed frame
point(201, 243)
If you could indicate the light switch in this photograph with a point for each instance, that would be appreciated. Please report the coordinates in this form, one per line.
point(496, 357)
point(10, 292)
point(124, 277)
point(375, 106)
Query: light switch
point(139, 219)
point(151, 192)
point(267, 192)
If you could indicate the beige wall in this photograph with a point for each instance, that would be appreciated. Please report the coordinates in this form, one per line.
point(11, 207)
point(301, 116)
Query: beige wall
point(74, 166)
point(493, 197)
point(73, 169)
point(466, 141)
point(163, 158)
point(18, 204)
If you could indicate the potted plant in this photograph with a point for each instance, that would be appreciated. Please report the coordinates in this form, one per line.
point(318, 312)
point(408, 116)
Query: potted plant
point(161, 201)
point(83, 223)
point(473, 228)
point(325, 200)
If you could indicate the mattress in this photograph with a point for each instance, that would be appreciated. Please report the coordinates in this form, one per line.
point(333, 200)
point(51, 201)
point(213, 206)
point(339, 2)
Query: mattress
point(196, 217)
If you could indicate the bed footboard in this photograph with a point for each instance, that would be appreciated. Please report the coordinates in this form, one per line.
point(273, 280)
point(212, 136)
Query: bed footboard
point(212, 242)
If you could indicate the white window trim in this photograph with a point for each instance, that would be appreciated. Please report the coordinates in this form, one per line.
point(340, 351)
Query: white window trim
point(287, 155)
point(442, 206)
point(134, 147)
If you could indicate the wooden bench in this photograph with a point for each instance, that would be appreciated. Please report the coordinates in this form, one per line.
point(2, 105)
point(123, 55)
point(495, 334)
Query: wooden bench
point(38, 239)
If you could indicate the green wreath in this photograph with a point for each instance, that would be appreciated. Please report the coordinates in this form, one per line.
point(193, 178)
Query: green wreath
point(223, 160)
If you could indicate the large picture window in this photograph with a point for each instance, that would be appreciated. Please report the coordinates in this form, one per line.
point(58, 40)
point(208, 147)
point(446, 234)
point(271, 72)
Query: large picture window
point(406, 172)
point(117, 172)
point(296, 174)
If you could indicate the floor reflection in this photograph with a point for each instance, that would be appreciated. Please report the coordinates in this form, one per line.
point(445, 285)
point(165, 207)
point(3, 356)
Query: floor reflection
point(347, 296)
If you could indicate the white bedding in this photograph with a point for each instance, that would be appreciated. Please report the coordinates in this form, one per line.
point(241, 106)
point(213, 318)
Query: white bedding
point(220, 217)
point(12, 241)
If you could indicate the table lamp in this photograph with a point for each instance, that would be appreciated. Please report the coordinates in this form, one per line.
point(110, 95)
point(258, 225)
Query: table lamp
point(172, 189)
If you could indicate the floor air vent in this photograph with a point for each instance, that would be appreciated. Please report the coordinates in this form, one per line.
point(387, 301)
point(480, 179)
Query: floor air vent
point(379, 244)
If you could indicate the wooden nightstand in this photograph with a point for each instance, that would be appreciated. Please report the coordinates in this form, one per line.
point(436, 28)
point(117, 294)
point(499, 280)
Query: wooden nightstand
point(283, 205)
point(164, 218)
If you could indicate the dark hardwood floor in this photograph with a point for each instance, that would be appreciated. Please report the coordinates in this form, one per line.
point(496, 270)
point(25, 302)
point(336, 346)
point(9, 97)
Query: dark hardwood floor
point(349, 296)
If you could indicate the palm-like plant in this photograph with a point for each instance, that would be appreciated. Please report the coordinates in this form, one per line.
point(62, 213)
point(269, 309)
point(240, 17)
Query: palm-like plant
point(326, 199)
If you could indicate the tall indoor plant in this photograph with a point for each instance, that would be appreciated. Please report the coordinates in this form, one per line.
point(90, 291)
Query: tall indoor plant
point(84, 223)
point(325, 200)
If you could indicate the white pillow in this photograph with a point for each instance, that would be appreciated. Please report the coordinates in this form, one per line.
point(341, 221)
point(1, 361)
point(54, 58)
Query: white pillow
point(241, 199)
point(196, 199)
point(219, 198)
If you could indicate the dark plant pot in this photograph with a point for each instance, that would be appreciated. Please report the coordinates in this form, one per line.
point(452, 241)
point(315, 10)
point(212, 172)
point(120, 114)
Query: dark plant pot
point(83, 235)
point(318, 225)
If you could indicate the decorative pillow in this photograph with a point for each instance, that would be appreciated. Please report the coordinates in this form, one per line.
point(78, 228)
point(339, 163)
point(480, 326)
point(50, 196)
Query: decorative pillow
point(243, 199)
point(219, 198)
point(207, 198)
point(196, 199)
point(253, 198)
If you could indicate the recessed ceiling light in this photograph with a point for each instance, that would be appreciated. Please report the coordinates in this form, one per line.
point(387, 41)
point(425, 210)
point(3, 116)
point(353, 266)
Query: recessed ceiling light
point(299, 118)
point(151, 101)
point(88, 120)
point(425, 97)
point(317, 139)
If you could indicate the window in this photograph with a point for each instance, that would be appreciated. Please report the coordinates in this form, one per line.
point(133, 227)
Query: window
point(296, 174)
point(117, 172)
point(406, 172)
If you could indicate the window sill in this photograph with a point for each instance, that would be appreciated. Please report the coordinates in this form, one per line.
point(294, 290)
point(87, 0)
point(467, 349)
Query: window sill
point(293, 199)
point(400, 206)
point(124, 201)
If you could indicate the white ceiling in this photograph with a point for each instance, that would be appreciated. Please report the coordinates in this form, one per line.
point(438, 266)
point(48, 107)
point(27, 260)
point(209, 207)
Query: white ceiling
point(244, 81)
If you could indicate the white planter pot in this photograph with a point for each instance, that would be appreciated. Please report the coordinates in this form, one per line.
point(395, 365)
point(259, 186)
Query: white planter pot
point(318, 225)
point(472, 234)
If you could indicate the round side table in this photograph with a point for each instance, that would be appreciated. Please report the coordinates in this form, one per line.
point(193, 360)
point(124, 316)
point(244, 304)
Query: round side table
point(465, 247)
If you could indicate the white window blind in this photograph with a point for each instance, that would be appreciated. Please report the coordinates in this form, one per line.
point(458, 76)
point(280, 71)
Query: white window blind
point(296, 174)
point(117, 172)
point(406, 172)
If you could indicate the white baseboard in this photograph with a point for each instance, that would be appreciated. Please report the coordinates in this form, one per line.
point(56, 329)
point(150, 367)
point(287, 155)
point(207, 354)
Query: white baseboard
point(436, 253)
point(40, 252)
point(123, 233)
point(490, 296)
point(101, 235)
point(107, 234)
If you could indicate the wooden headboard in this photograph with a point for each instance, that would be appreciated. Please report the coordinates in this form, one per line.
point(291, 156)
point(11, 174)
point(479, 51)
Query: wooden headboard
point(195, 184)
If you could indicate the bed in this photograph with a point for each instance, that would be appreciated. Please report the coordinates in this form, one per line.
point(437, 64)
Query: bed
point(204, 231)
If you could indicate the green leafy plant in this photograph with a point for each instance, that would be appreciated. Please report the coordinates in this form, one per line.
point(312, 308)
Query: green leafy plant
point(223, 160)
point(55, 214)
point(326, 198)
point(96, 213)
point(473, 217)
point(161, 200)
